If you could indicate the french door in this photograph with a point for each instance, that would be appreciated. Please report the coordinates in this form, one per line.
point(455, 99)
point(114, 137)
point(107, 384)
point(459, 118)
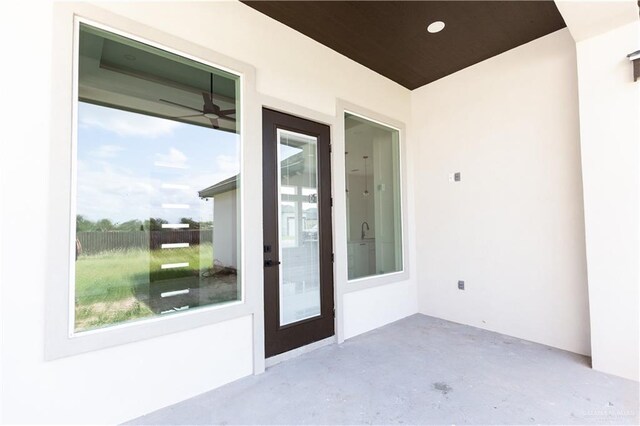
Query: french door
point(298, 259)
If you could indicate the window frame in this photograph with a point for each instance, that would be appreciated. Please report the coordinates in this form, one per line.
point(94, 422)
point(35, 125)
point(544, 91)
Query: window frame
point(61, 339)
point(74, 181)
point(361, 283)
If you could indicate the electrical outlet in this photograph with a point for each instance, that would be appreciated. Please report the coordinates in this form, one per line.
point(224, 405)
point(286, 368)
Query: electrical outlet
point(456, 177)
point(460, 285)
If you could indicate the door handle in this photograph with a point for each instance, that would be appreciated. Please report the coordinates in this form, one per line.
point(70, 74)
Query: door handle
point(268, 263)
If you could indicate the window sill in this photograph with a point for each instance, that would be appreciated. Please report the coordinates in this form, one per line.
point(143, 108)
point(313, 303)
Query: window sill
point(58, 346)
point(364, 283)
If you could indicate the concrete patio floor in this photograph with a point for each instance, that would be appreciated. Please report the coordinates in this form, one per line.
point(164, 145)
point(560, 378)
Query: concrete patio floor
point(419, 370)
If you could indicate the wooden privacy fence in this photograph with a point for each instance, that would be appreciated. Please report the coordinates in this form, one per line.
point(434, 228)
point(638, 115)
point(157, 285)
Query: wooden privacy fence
point(101, 241)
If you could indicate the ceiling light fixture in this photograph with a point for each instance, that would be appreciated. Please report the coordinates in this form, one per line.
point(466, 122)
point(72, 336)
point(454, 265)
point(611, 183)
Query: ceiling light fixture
point(435, 27)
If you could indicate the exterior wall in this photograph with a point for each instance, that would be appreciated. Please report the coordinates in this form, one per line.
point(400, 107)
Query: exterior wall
point(377, 306)
point(225, 229)
point(513, 228)
point(609, 133)
point(116, 384)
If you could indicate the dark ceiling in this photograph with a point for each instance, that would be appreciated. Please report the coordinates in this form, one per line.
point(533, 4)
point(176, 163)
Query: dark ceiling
point(390, 37)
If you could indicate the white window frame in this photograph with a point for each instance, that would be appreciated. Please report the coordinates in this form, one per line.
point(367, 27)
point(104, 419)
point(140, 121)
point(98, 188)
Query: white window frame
point(362, 283)
point(60, 338)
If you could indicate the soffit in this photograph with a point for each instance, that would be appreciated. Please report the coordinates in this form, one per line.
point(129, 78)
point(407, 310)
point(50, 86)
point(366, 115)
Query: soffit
point(390, 37)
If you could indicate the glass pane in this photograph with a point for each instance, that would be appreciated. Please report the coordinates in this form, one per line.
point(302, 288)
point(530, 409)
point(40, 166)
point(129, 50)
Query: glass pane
point(298, 224)
point(373, 198)
point(158, 161)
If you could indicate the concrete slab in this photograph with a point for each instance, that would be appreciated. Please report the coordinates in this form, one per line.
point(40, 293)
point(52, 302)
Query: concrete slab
point(419, 370)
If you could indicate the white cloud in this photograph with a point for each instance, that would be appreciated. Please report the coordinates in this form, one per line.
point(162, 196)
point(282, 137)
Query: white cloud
point(124, 123)
point(120, 194)
point(112, 192)
point(107, 151)
point(175, 158)
point(227, 165)
point(108, 190)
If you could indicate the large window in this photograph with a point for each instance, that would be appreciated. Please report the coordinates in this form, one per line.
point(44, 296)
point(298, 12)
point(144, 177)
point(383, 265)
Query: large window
point(374, 244)
point(157, 182)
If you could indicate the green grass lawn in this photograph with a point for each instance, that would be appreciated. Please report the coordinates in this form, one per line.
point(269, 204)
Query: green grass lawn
point(109, 285)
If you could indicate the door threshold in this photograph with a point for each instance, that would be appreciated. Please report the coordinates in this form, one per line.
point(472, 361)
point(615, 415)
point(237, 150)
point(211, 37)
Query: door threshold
point(294, 353)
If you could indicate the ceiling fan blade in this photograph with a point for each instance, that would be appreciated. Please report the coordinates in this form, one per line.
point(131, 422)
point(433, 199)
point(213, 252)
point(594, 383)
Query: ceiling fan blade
point(227, 111)
point(224, 117)
point(180, 105)
point(208, 103)
point(214, 123)
point(189, 116)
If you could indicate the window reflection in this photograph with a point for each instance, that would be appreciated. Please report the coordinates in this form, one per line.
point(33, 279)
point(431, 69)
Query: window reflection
point(299, 245)
point(157, 183)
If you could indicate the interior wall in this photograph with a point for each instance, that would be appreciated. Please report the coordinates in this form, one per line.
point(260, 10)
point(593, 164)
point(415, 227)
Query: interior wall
point(361, 208)
point(119, 383)
point(610, 132)
point(512, 229)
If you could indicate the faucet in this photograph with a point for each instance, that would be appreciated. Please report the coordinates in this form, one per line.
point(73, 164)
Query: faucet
point(362, 229)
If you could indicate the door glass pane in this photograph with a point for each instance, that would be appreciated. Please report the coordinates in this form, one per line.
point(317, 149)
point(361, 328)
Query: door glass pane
point(298, 224)
point(374, 223)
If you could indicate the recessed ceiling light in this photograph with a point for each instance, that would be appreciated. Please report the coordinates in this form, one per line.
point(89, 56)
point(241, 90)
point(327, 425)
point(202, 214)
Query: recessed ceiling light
point(435, 27)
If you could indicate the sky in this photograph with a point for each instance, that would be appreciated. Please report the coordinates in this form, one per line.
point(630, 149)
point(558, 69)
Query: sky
point(129, 165)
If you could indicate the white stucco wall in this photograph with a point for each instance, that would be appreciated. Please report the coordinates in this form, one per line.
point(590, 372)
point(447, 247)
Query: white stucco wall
point(225, 229)
point(119, 383)
point(610, 134)
point(513, 228)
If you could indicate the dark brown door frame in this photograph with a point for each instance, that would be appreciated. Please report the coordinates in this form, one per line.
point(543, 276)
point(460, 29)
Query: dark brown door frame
point(279, 339)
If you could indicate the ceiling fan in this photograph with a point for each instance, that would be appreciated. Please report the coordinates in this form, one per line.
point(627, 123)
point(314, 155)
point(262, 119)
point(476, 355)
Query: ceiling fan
point(209, 109)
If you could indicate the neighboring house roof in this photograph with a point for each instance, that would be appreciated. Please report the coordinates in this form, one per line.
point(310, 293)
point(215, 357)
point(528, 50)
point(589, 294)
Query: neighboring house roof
point(290, 166)
point(221, 187)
